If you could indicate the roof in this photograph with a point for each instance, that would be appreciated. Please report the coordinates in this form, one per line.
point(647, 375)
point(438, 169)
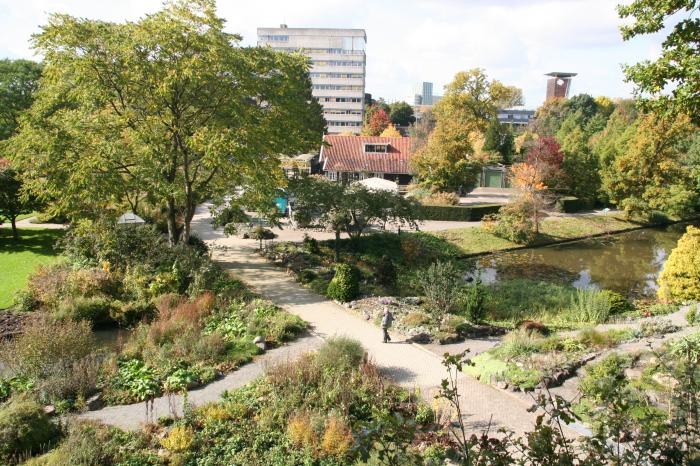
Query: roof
point(130, 217)
point(346, 154)
point(560, 74)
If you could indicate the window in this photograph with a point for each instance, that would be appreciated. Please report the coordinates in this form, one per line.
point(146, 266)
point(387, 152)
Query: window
point(274, 38)
point(337, 63)
point(340, 99)
point(336, 87)
point(376, 148)
point(345, 123)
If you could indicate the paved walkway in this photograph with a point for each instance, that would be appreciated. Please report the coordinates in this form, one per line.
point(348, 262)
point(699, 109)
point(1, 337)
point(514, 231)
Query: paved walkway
point(407, 364)
point(131, 417)
point(28, 223)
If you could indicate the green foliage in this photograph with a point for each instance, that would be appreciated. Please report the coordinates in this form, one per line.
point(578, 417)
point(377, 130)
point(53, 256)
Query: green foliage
point(97, 310)
point(499, 139)
point(474, 300)
point(591, 306)
point(344, 286)
point(340, 353)
point(24, 429)
point(680, 277)
point(521, 299)
point(386, 271)
point(401, 113)
point(513, 223)
point(13, 202)
point(456, 213)
point(691, 316)
point(619, 304)
point(19, 80)
point(571, 204)
point(441, 283)
point(137, 379)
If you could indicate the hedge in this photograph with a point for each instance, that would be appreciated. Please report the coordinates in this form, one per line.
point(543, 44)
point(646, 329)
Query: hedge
point(571, 204)
point(456, 213)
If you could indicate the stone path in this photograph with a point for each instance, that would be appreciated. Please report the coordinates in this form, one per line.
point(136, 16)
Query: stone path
point(130, 417)
point(409, 365)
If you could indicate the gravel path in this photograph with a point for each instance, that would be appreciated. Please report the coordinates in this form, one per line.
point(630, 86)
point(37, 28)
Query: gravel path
point(133, 416)
point(409, 365)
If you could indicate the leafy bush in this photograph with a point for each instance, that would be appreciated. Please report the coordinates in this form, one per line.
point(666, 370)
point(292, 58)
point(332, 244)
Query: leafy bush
point(656, 327)
point(131, 313)
point(344, 286)
point(659, 309)
point(137, 379)
point(179, 439)
point(619, 304)
point(340, 353)
point(456, 213)
point(25, 429)
point(600, 377)
point(691, 316)
point(310, 244)
point(513, 222)
point(386, 271)
point(680, 277)
point(441, 198)
point(441, 283)
point(519, 343)
point(474, 299)
point(96, 310)
point(590, 306)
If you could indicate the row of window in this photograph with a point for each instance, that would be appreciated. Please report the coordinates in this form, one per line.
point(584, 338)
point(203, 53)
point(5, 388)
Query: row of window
point(337, 63)
point(340, 99)
point(336, 75)
point(337, 87)
point(344, 123)
point(275, 38)
point(308, 50)
point(335, 176)
point(339, 111)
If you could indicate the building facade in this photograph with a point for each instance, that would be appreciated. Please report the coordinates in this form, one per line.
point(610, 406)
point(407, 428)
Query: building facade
point(337, 69)
point(516, 117)
point(352, 158)
point(558, 84)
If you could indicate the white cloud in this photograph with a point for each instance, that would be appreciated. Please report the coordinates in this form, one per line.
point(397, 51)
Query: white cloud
point(516, 41)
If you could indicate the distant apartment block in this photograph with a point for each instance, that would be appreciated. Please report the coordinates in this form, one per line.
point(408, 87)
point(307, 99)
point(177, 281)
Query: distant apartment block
point(558, 84)
point(516, 117)
point(337, 69)
point(423, 95)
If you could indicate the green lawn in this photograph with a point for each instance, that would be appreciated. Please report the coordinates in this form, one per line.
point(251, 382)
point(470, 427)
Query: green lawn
point(18, 259)
point(475, 240)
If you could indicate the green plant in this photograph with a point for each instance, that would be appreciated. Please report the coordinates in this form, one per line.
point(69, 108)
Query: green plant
point(345, 285)
point(512, 222)
point(441, 283)
point(519, 343)
point(425, 414)
point(680, 277)
point(590, 306)
point(691, 316)
point(137, 379)
point(25, 429)
point(133, 312)
point(310, 244)
point(474, 298)
point(656, 327)
point(416, 319)
point(619, 304)
point(96, 310)
point(386, 271)
point(340, 353)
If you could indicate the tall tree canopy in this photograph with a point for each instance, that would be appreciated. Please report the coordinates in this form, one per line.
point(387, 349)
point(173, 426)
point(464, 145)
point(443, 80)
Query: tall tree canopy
point(671, 83)
point(19, 80)
point(400, 113)
point(447, 162)
point(376, 121)
point(168, 108)
point(12, 201)
point(499, 139)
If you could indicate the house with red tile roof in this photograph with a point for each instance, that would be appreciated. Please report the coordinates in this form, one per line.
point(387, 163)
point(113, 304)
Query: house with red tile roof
point(350, 158)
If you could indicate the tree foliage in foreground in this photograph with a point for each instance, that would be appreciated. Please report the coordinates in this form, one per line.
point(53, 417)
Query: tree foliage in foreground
point(19, 80)
point(680, 278)
point(168, 109)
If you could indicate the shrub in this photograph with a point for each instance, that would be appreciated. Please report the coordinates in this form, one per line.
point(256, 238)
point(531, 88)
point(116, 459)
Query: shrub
point(307, 276)
point(519, 343)
point(513, 222)
point(300, 431)
point(310, 244)
point(589, 306)
point(337, 438)
point(691, 316)
point(456, 213)
point(416, 319)
point(660, 309)
point(656, 327)
point(441, 198)
point(96, 310)
point(344, 286)
point(131, 313)
point(601, 377)
point(84, 445)
point(25, 429)
point(474, 300)
point(179, 439)
point(619, 304)
point(441, 283)
point(680, 277)
point(340, 353)
point(386, 271)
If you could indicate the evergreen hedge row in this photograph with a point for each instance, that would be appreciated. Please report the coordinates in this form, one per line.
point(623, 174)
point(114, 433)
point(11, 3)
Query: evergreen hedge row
point(456, 213)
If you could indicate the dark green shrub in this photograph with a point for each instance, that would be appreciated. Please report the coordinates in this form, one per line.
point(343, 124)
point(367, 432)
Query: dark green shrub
point(386, 271)
point(25, 429)
point(96, 310)
point(619, 304)
point(310, 244)
point(441, 283)
point(456, 213)
point(307, 276)
point(345, 285)
point(691, 316)
point(131, 313)
point(340, 353)
point(571, 204)
point(513, 222)
point(474, 301)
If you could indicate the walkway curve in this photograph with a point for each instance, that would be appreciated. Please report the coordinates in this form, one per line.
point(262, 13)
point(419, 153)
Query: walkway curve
point(407, 364)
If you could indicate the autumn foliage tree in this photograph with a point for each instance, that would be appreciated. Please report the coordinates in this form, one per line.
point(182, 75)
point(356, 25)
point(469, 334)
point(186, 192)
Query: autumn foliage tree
point(390, 132)
point(376, 123)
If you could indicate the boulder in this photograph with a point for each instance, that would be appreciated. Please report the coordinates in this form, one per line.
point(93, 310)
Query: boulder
point(94, 402)
point(422, 338)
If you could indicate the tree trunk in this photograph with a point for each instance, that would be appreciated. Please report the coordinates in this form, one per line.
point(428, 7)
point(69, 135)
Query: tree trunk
point(189, 214)
point(15, 234)
point(172, 224)
point(337, 245)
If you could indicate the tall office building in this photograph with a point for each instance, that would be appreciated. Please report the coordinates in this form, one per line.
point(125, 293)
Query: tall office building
point(559, 84)
point(337, 69)
point(423, 94)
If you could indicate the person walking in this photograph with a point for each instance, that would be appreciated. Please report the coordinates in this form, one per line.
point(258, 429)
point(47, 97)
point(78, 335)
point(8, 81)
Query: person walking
point(386, 323)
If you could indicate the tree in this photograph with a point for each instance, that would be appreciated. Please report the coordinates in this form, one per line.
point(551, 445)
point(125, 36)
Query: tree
point(348, 208)
point(390, 132)
point(580, 166)
point(447, 162)
point(499, 139)
point(377, 121)
point(651, 173)
point(167, 109)
point(19, 80)
point(401, 114)
point(12, 201)
point(421, 129)
point(668, 85)
point(680, 278)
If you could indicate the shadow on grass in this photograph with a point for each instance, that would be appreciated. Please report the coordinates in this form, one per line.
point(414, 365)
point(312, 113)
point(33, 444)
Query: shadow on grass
point(38, 241)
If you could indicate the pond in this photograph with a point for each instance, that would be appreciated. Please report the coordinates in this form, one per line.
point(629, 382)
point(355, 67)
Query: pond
point(628, 263)
point(111, 339)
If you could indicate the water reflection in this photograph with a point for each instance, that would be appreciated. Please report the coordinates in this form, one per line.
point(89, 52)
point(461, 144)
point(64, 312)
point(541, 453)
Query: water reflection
point(629, 263)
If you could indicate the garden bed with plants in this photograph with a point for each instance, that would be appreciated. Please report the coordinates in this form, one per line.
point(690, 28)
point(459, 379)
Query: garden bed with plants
point(189, 321)
point(527, 359)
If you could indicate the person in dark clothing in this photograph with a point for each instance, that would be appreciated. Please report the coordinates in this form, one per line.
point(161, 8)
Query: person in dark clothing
point(386, 323)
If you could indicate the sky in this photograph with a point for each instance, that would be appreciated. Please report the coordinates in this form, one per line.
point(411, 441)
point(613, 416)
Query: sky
point(409, 41)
